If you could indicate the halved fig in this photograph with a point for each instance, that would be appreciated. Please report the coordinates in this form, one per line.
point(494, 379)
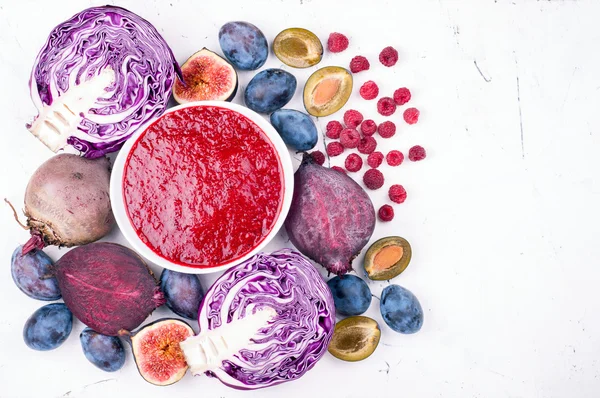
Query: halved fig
point(355, 338)
point(157, 353)
point(327, 90)
point(298, 48)
point(387, 258)
point(206, 76)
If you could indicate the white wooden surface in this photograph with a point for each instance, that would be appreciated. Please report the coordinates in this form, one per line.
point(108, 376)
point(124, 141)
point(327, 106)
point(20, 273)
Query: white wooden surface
point(502, 215)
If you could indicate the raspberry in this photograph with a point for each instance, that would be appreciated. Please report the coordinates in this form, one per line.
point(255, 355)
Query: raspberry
point(369, 90)
point(367, 145)
point(375, 159)
point(338, 168)
point(353, 162)
point(411, 115)
point(333, 129)
point(349, 138)
point(394, 158)
point(397, 193)
point(352, 118)
point(368, 127)
point(388, 56)
point(373, 179)
point(387, 129)
point(358, 64)
point(318, 157)
point(416, 153)
point(386, 213)
point(337, 42)
point(334, 149)
point(402, 96)
point(386, 106)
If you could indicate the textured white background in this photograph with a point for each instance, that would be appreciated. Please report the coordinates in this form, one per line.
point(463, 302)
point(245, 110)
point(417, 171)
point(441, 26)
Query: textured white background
point(502, 215)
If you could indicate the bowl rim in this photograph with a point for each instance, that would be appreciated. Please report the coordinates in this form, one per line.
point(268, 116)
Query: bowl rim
point(118, 203)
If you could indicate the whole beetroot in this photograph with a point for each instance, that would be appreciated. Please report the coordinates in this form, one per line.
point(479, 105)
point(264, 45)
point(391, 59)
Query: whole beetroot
point(108, 287)
point(67, 202)
point(331, 217)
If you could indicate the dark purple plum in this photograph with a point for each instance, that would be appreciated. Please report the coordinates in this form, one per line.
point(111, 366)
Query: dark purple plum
point(270, 90)
point(401, 310)
point(296, 128)
point(105, 352)
point(32, 274)
point(183, 293)
point(48, 327)
point(351, 294)
point(244, 45)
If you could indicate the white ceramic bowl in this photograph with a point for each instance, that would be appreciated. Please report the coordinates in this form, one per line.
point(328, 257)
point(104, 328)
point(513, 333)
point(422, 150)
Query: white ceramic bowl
point(118, 203)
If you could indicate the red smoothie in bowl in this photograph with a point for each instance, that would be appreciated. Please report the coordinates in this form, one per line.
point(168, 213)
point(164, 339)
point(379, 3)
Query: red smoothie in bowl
point(203, 186)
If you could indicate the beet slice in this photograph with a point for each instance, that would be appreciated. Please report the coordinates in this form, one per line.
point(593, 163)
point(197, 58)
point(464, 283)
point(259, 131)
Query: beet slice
point(108, 287)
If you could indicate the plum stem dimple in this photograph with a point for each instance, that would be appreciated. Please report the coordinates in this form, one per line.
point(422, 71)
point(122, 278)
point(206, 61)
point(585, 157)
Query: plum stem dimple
point(25, 227)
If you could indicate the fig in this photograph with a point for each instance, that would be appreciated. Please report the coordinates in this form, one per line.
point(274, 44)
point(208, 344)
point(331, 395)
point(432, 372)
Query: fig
point(327, 90)
point(108, 287)
point(355, 338)
point(298, 48)
point(387, 258)
point(244, 45)
point(31, 273)
point(331, 217)
point(157, 353)
point(270, 90)
point(296, 128)
point(206, 76)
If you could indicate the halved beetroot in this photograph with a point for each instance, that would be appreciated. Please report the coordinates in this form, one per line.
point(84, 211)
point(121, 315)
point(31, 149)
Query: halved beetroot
point(108, 287)
point(206, 76)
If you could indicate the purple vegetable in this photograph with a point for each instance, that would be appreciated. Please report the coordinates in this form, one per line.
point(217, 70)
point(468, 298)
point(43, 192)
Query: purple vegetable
point(108, 287)
point(67, 202)
point(331, 217)
point(100, 75)
point(263, 322)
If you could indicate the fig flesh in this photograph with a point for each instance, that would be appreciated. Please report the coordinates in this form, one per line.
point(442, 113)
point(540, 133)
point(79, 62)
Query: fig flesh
point(108, 287)
point(355, 338)
point(331, 217)
point(157, 353)
point(327, 90)
point(387, 258)
point(206, 76)
point(298, 48)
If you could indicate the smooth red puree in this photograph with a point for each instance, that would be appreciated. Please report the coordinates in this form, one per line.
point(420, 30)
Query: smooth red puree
point(203, 186)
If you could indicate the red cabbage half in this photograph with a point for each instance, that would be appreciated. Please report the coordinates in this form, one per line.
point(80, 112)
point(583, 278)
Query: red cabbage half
point(100, 75)
point(264, 322)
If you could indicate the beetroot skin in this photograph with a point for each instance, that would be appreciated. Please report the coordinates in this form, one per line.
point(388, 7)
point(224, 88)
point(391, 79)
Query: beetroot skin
point(67, 202)
point(108, 287)
point(331, 217)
